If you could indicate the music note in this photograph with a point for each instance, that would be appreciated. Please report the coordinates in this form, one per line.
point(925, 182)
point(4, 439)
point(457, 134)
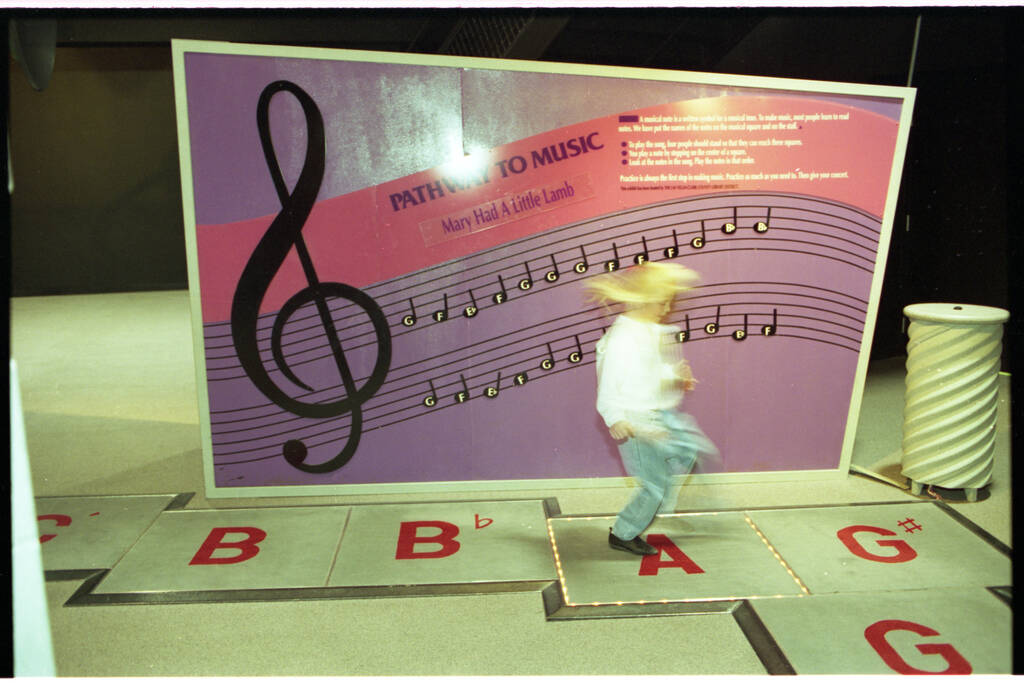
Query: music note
point(712, 328)
point(612, 264)
point(492, 392)
point(673, 251)
point(552, 275)
point(410, 319)
point(501, 296)
point(684, 335)
point(699, 242)
point(740, 335)
point(472, 309)
point(285, 232)
point(462, 396)
point(431, 399)
point(527, 282)
point(761, 227)
point(548, 362)
point(644, 256)
point(577, 355)
point(581, 266)
point(442, 315)
point(770, 330)
point(730, 227)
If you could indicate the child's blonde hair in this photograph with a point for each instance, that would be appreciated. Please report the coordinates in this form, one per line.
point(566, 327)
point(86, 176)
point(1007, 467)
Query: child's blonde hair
point(650, 282)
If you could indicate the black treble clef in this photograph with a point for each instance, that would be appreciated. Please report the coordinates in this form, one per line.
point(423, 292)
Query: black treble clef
point(285, 232)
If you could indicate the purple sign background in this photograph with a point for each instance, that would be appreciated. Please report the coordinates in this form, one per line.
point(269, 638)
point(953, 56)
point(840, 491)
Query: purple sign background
point(771, 402)
point(773, 398)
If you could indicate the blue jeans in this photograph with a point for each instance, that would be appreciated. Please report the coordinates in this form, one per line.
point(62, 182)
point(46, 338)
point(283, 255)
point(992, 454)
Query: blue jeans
point(653, 464)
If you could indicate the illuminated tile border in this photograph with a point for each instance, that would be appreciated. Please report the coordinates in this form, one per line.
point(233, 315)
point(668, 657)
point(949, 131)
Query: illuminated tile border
point(566, 602)
point(558, 564)
point(558, 606)
point(775, 553)
point(694, 605)
point(554, 594)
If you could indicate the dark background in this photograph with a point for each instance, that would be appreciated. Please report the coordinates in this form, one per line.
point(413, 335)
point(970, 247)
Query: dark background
point(97, 200)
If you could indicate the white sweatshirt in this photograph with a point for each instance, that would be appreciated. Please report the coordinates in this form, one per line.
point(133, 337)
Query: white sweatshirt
point(636, 370)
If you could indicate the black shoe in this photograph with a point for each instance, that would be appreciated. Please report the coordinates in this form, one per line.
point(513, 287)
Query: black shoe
point(637, 546)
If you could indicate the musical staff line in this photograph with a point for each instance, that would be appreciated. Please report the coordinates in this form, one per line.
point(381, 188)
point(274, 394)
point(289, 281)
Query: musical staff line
point(414, 382)
point(331, 434)
point(470, 382)
point(471, 305)
point(447, 364)
point(544, 251)
point(471, 302)
point(870, 223)
point(699, 294)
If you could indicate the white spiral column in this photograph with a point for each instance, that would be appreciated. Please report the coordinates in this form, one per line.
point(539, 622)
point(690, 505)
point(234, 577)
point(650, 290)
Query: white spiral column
point(952, 395)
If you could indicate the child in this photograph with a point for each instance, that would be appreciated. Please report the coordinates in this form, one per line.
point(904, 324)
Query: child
point(642, 377)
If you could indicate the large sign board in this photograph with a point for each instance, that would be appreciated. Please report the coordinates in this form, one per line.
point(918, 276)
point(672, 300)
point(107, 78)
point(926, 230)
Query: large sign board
point(386, 254)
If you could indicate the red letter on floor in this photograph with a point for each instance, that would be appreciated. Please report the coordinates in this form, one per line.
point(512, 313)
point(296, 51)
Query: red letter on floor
point(904, 552)
point(247, 547)
point(61, 520)
point(652, 563)
point(407, 540)
point(875, 635)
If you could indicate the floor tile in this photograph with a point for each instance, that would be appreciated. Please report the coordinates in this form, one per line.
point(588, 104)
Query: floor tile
point(881, 547)
point(958, 630)
point(445, 543)
point(203, 550)
point(703, 556)
point(93, 532)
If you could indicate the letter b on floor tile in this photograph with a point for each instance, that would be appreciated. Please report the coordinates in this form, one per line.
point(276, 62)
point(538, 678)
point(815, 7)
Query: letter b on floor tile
point(409, 537)
point(246, 548)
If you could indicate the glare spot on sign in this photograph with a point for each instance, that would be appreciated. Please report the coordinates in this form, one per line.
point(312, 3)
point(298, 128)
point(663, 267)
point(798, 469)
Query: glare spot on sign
point(466, 166)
